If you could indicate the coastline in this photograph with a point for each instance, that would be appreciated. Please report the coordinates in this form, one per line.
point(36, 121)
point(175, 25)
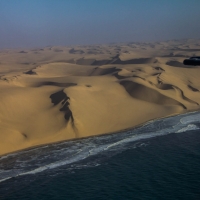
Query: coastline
point(70, 153)
point(93, 136)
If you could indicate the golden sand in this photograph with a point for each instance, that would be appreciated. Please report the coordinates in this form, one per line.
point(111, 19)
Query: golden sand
point(58, 93)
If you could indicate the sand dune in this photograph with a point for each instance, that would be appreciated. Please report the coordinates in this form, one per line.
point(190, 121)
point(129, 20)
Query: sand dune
point(144, 93)
point(58, 93)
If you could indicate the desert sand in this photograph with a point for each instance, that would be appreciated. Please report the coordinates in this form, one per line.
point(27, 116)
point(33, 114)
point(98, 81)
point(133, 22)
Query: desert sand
point(58, 93)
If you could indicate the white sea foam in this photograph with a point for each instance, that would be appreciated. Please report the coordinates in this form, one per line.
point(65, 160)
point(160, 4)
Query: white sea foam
point(190, 119)
point(55, 165)
point(120, 142)
point(83, 154)
point(89, 150)
point(86, 153)
point(5, 179)
point(188, 128)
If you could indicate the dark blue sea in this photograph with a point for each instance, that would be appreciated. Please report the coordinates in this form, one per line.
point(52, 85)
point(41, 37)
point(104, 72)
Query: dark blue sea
point(158, 161)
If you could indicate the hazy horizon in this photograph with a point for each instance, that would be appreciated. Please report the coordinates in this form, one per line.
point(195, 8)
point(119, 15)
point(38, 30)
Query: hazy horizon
point(26, 24)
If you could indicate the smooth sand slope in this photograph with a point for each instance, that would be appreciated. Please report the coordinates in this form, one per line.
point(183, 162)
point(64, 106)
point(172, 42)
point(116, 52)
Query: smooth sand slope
point(58, 93)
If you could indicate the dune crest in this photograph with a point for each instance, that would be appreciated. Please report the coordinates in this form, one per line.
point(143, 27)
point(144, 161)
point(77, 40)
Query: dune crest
point(59, 93)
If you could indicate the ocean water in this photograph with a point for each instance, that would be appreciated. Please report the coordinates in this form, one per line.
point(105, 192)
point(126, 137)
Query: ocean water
point(160, 160)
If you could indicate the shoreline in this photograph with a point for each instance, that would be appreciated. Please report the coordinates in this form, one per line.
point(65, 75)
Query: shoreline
point(110, 133)
point(69, 153)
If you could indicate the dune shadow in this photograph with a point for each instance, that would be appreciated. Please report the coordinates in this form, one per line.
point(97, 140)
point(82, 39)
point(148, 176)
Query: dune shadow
point(58, 50)
point(113, 60)
point(119, 76)
point(101, 62)
point(135, 61)
point(104, 71)
point(30, 72)
point(61, 97)
point(178, 64)
point(144, 93)
point(50, 83)
point(83, 61)
point(22, 52)
point(76, 51)
point(193, 89)
point(172, 87)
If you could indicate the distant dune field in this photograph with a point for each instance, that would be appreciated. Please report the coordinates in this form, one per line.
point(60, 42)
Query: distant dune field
point(58, 93)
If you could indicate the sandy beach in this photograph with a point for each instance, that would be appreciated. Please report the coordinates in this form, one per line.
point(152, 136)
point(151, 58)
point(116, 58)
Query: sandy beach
point(58, 93)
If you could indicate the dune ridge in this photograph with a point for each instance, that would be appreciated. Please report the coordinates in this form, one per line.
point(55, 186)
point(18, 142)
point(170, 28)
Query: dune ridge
point(58, 93)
